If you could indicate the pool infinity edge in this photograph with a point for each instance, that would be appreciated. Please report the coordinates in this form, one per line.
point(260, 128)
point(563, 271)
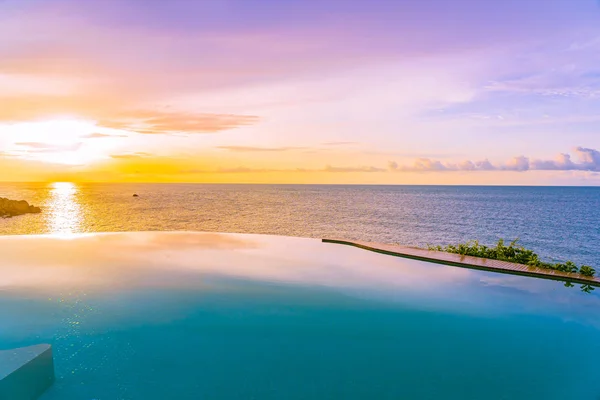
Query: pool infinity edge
point(463, 261)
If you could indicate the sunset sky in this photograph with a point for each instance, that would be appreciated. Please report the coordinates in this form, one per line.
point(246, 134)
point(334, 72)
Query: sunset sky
point(301, 91)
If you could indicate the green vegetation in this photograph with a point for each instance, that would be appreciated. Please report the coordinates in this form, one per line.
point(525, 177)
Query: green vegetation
point(516, 254)
point(587, 270)
point(512, 253)
point(587, 288)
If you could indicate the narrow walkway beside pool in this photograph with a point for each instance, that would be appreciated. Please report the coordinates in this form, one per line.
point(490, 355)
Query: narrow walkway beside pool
point(459, 260)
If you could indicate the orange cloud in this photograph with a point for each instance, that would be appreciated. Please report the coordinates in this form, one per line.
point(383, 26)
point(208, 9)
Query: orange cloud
point(339, 143)
point(39, 147)
point(329, 168)
point(101, 136)
point(117, 115)
point(139, 154)
point(153, 122)
point(251, 149)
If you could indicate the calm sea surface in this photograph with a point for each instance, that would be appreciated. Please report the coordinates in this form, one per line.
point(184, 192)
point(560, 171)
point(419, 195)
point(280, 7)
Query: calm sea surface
point(559, 222)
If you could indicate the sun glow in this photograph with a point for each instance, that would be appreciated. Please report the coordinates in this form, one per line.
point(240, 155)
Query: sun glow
point(64, 211)
point(60, 141)
point(54, 132)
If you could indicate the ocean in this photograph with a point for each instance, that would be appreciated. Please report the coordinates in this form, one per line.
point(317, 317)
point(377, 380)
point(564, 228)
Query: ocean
point(560, 223)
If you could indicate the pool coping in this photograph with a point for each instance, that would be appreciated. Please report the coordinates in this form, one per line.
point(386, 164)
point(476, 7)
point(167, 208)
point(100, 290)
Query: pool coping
point(26, 372)
point(458, 260)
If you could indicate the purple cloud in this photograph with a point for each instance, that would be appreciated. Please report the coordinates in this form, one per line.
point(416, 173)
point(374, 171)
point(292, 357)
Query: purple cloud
point(588, 160)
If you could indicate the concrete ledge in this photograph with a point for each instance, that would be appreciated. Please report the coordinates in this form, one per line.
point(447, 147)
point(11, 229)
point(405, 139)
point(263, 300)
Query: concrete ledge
point(26, 373)
point(458, 260)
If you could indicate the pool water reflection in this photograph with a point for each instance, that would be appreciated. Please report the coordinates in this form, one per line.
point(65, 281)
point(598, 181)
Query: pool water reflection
point(220, 316)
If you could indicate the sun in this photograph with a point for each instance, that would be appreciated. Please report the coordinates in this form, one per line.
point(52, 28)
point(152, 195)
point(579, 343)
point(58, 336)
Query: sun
point(60, 141)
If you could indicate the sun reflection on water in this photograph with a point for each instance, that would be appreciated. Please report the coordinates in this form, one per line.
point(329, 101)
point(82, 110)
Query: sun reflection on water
point(63, 209)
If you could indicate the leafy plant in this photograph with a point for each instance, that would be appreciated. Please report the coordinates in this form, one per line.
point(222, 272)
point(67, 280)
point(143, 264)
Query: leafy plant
point(567, 267)
point(587, 288)
point(513, 252)
point(587, 270)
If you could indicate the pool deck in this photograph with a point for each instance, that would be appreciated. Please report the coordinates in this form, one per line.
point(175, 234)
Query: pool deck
point(458, 260)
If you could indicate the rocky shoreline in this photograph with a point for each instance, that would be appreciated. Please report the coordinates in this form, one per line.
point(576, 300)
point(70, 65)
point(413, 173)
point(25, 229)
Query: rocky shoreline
point(12, 208)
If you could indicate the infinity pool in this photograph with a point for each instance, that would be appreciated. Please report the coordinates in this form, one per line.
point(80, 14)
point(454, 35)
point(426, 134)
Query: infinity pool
point(222, 316)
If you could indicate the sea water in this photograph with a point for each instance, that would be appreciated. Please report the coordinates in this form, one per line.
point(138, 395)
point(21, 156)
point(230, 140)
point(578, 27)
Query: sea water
point(560, 223)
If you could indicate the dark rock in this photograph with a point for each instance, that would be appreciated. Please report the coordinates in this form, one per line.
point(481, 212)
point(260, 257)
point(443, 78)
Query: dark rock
point(11, 208)
point(135, 195)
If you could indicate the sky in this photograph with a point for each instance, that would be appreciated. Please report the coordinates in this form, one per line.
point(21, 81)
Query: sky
point(301, 91)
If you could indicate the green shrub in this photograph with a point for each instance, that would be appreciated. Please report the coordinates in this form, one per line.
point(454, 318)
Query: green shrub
point(587, 288)
point(587, 270)
point(514, 253)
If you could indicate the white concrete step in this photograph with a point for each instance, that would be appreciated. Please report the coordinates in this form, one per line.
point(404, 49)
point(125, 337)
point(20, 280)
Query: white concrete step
point(26, 373)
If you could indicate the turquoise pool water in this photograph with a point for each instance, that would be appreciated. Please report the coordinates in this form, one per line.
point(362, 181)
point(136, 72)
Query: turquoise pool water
point(220, 316)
